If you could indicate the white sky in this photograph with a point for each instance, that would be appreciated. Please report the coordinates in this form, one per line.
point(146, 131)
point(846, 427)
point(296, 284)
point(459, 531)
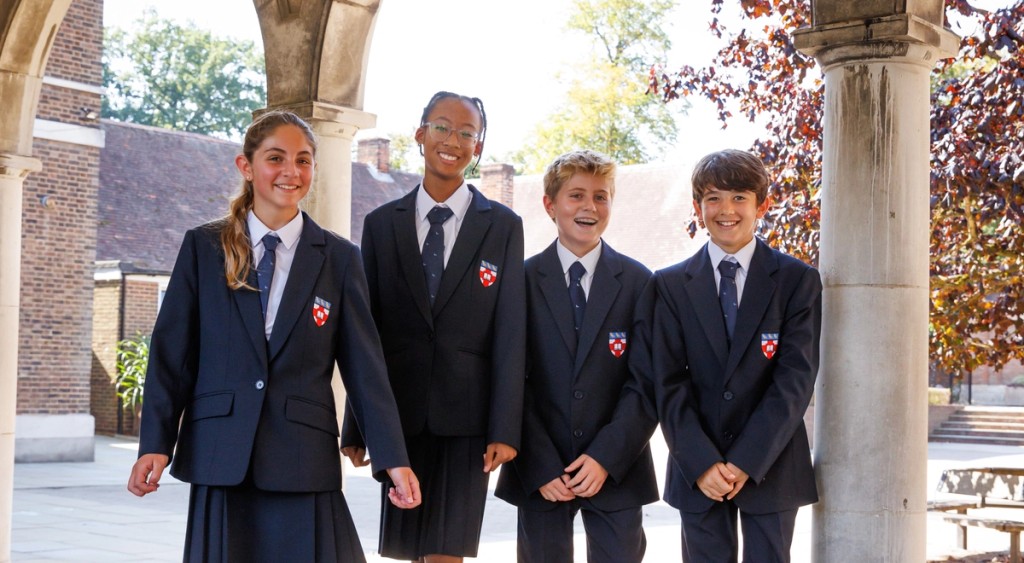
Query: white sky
point(509, 57)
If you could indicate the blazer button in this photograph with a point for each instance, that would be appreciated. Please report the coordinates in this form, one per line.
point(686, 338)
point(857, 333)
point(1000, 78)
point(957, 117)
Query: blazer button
point(577, 433)
point(727, 395)
point(577, 394)
point(728, 436)
point(260, 385)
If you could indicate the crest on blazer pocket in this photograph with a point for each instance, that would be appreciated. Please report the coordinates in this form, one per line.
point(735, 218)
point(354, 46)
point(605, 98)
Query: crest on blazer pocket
point(769, 343)
point(488, 273)
point(617, 343)
point(321, 310)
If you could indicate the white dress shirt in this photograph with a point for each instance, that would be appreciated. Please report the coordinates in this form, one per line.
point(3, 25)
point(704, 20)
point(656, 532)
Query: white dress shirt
point(742, 257)
point(284, 255)
point(459, 204)
point(589, 261)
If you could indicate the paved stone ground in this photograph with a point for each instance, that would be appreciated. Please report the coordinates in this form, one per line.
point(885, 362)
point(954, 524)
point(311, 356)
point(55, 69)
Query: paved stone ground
point(81, 512)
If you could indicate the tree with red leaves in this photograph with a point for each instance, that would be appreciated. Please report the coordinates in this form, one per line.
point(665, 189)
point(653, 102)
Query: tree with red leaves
point(977, 171)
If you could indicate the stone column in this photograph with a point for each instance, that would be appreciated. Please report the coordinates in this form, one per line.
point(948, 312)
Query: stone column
point(329, 202)
point(870, 438)
point(13, 170)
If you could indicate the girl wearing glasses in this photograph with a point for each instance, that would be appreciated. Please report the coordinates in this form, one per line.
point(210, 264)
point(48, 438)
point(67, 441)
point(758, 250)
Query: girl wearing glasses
point(445, 268)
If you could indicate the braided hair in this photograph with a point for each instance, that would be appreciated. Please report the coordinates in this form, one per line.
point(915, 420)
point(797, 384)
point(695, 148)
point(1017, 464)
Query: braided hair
point(477, 103)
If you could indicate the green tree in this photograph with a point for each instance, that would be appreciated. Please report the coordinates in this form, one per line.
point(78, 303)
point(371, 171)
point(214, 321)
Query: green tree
point(181, 77)
point(607, 107)
point(400, 146)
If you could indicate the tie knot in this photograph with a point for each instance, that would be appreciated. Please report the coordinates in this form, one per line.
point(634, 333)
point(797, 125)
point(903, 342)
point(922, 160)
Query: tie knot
point(438, 215)
point(576, 272)
point(270, 242)
point(728, 268)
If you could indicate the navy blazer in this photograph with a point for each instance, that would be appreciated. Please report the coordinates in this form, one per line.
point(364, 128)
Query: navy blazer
point(745, 403)
point(457, 367)
point(243, 401)
point(574, 392)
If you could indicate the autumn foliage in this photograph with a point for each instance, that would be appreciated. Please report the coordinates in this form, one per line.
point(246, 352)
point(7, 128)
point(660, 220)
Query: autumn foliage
point(977, 171)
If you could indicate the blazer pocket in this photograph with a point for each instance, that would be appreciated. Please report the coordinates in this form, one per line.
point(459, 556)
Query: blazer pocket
point(311, 413)
point(212, 404)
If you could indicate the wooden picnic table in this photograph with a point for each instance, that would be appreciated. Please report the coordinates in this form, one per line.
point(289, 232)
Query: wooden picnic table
point(981, 487)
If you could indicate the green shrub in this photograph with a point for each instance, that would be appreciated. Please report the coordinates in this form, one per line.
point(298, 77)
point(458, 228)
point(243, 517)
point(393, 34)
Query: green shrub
point(132, 362)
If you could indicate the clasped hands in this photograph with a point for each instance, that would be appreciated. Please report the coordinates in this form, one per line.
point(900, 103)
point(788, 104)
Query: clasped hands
point(587, 482)
point(722, 481)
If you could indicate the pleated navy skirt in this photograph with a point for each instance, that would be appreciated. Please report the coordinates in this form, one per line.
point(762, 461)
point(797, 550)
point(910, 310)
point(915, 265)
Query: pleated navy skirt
point(245, 524)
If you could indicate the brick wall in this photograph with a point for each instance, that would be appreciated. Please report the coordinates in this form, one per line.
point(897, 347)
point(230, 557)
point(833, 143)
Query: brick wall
point(59, 239)
point(496, 182)
point(103, 401)
point(58, 251)
point(78, 46)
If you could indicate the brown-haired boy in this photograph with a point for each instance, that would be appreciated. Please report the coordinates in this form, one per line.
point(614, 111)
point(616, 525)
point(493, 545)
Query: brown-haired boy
point(584, 441)
point(734, 354)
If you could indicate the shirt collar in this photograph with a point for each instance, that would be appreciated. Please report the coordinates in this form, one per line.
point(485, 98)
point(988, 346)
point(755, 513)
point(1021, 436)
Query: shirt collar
point(589, 260)
point(458, 202)
point(289, 234)
point(743, 256)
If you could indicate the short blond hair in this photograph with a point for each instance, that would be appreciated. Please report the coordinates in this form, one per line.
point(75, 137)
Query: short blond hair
point(573, 162)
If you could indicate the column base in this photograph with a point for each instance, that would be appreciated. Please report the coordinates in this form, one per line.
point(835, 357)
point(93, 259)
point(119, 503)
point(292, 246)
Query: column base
point(54, 437)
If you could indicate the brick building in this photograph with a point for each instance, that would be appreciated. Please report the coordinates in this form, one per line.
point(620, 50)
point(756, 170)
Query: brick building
point(59, 247)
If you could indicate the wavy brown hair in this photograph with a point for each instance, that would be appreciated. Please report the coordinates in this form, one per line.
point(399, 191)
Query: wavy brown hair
point(234, 232)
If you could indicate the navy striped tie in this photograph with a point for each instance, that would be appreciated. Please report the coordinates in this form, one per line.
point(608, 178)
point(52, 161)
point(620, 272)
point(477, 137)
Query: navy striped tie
point(433, 249)
point(265, 269)
point(728, 296)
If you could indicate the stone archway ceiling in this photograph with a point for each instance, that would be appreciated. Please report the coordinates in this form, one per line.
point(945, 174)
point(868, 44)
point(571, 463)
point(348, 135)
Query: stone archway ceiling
point(316, 50)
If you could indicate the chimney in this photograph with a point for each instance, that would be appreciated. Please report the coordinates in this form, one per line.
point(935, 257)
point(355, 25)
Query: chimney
point(496, 182)
point(376, 152)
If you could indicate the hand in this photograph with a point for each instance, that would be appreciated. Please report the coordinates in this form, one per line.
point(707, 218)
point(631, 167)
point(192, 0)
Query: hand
point(589, 478)
point(557, 490)
point(356, 455)
point(716, 482)
point(406, 492)
point(738, 482)
point(497, 454)
point(145, 476)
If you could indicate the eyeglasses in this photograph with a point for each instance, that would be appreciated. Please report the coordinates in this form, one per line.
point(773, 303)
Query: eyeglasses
point(440, 132)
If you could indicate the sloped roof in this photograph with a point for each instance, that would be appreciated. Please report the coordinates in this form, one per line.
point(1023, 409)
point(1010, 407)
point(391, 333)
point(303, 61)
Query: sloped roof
point(650, 211)
point(157, 183)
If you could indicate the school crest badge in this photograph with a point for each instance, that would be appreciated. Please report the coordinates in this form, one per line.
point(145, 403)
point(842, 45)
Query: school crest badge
point(769, 343)
point(617, 343)
point(488, 273)
point(321, 310)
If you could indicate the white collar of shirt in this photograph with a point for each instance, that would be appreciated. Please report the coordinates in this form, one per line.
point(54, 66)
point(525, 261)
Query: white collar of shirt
point(289, 234)
point(458, 202)
point(589, 261)
point(743, 257)
point(284, 256)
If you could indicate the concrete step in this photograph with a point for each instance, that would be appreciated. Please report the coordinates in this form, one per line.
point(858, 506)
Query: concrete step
point(972, 425)
point(986, 419)
point(972, 439)
point(1016, 435)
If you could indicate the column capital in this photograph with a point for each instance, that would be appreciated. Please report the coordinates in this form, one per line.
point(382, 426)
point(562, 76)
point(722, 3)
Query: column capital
point(330, 119)
point(17, 166)
point(900, 36)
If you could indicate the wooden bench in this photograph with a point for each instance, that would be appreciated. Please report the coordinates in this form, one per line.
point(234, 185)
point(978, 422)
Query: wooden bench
point(1012, 527)
point(977, 489)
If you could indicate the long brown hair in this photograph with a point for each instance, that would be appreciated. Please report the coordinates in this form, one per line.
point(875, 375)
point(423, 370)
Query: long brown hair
point(234, 233)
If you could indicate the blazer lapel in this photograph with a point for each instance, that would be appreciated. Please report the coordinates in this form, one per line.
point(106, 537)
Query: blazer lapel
point(305, 270)
point(604, 289)
point(409, 256)
point(471, 236)
point(704, 297)
point(556, 295)
point(758, 290)
point(251, 311)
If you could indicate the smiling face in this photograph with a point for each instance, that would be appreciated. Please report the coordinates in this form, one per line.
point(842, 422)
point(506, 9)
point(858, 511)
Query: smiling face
point(730, 216)
point(281, 172)
point(446, 160)
point(581, 210)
